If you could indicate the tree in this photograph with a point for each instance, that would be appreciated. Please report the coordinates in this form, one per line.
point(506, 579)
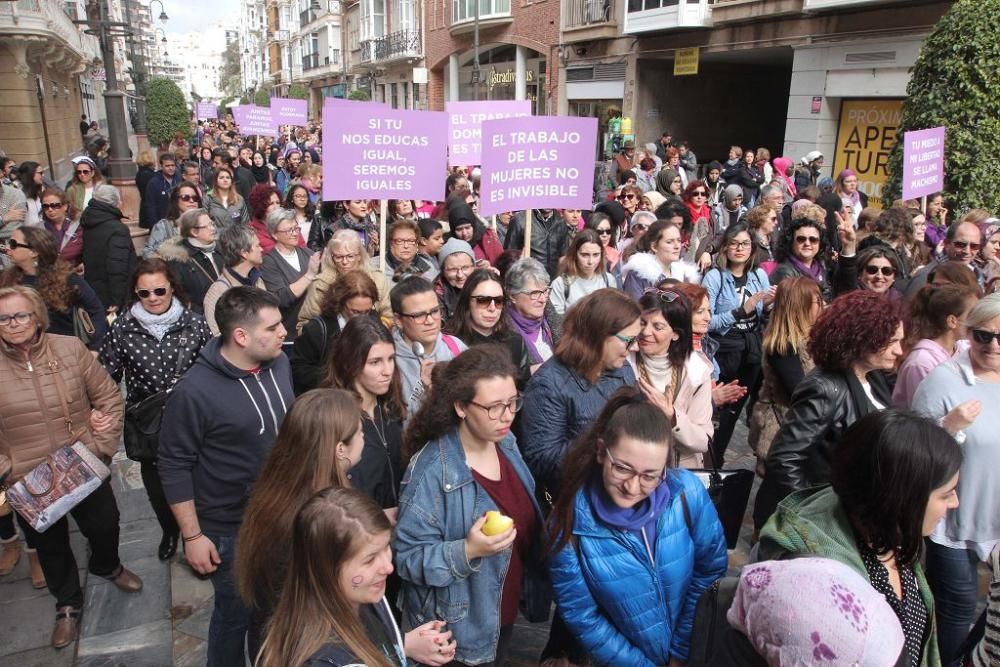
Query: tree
point(360, 95)
point(262, 97)
point(166, 111)
point(297, 91)
point(230, 72)
point(956, 83)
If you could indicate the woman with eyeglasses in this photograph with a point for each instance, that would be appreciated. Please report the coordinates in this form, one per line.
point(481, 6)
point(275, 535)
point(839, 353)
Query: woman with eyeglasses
point(672, 375)
point(59, 221)
point(36, 263)
point(657, 256)
point(629, 197)
point(263, 200)
point(527, 289)
point(344, 253)
point(845, 186)
point(193, 256)
point(604, 227)
point(803, 246)
point(479, 319)
point(31, 176)
point(581, 271)
point(298, 199)
point(465, 462)
point(184, 197)
point(458, 261)
point(224, 203)
point(151, 345)
point(963, 393)
point(289, 269)
point(636, 541)
point(85, 178)
point(352, 295)
point(403, 258)
point(878, 268)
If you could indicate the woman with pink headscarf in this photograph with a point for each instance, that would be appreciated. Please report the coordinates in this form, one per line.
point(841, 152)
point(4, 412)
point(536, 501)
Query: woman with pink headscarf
point(783, 170)
point(846, 187)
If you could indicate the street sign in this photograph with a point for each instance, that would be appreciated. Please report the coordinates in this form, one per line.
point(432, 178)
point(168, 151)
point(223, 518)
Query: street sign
point(686, 61)
point(98, 74)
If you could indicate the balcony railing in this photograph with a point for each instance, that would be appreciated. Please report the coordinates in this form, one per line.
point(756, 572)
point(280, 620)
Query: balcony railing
point(578, 13)
point(313, 60)
point(47, 18)
point(656, 15)
point(399, 44)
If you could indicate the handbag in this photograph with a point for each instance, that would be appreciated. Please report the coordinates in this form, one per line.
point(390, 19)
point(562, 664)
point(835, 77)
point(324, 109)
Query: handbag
point(57, 485)
point(83, 326)
point(141, 432)
point(730, 493)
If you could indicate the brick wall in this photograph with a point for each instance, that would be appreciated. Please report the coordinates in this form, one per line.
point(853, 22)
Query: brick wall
point(535, 26)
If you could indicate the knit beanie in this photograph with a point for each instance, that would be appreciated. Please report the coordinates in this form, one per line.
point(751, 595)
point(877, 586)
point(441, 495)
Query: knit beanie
point(452, 247)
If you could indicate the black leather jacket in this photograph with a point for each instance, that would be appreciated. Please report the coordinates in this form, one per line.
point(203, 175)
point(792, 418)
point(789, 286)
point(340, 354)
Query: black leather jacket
point(823, 406)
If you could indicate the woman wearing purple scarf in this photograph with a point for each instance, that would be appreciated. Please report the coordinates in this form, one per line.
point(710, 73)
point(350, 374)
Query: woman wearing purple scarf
point(528, 290)
point(802, 251)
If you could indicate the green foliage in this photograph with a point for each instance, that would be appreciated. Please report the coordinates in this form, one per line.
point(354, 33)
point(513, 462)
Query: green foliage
point(262, 97)
point(297, 91)
point(224, 105)
point(360, 94)
point(229, 73)
point(956, 83)
point(166, 111)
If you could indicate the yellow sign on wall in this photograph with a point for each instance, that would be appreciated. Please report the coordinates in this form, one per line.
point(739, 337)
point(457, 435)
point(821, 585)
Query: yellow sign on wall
point(686, 61)
point(866, 135)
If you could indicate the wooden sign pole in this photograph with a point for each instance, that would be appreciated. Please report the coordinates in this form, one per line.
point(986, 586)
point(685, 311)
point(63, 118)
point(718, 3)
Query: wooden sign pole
point(382, 242)
point(526, 252)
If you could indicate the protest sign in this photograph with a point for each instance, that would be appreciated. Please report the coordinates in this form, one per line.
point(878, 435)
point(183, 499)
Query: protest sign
point(465, 121)
point(341, 103)
point(923, 162)
point(381, 153)
point(537, 162)
point(239, 113)
point(256, 120)
point(205, 110)
point(289, 112)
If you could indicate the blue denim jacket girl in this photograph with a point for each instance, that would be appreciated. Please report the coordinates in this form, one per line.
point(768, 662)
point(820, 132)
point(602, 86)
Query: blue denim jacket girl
point(439, 502)
point(724, 298)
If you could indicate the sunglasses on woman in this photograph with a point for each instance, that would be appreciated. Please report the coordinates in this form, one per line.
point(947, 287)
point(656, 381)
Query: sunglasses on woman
point(52, 207)
point(14, 244)
point(984, 337)
point(886, 270)
point(146, 293)
point(194, 198)
point(486, 300)
point(627, 196)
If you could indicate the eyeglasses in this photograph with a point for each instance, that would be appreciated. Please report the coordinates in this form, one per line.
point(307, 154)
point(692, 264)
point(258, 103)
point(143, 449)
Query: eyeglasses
point(14, 244)
point(459, 270)
point(211, 224)
point(194, 198)
point(146, 293)
point(84, 172)
point(981, 336)
point(604, 231)
point(638, 227)
point(496, 410)
point(740, 245)
point(50, 207)
point(624, 473)
point(406, 243)
point(425, 316)
point(962, 245)
point(290, 230)
point(699, 193)
point(536, 295)
point(485, 301)
point(812, 240)
point(627, 196)
point(667, 295)
point(872, 270)
point(16, 318)
point(628, 340)
point(349, 257)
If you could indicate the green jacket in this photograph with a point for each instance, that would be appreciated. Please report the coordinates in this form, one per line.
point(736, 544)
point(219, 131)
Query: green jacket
point(813, 522)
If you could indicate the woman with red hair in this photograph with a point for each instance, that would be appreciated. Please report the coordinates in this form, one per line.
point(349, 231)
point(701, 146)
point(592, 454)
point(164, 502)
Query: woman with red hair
point(263, 199)
point(854, 343)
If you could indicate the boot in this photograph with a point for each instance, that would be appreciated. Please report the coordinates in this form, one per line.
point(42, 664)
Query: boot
point(65, 631)
point(10, 554)
point(37, 576)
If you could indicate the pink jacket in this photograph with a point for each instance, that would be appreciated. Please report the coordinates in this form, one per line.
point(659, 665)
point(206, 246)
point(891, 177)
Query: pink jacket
point(925, 356)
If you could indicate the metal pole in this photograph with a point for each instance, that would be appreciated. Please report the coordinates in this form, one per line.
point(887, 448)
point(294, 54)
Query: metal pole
point(138, 76)
point(475, 54)
point(45, 127)
point(120, 164)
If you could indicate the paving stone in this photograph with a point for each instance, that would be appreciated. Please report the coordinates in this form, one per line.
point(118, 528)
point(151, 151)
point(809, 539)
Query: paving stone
point(189, 651)
point(146, 645)
point(196, 625)
point(27, 622)
point(108, 609)
point(39, 657)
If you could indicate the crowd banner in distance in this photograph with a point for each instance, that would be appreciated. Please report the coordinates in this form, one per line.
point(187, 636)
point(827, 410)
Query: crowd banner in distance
point(537, 162)
point(923, 162)
point(286, 111)
point(206, 110)
point(465, 125)
point(239, 114)
point(253, 119)
point(341, 103)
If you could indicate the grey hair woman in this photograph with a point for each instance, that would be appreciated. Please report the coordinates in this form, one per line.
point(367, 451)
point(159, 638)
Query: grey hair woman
point(192, 256)
point(242, 258)
point(288, 269)
point(528, 291)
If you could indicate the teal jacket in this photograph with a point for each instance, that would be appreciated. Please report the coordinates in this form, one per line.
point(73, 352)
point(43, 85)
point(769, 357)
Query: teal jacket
point(813, 522)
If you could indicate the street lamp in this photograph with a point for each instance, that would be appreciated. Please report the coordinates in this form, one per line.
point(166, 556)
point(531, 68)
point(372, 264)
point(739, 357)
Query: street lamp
point(163, 14)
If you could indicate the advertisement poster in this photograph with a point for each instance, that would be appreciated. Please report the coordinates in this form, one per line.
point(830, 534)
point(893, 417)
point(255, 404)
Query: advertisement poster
point(865, 138)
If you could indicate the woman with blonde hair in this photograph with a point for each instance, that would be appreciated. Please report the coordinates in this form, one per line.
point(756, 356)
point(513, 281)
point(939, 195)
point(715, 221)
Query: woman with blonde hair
point(797, 303)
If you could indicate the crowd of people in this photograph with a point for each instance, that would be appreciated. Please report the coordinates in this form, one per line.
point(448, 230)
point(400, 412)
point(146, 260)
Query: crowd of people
point(387, 464)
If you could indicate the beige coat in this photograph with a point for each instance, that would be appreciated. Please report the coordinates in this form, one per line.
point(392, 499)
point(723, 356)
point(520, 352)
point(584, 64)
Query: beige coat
point(216, 290)
point(324, 281)
point(32, 416)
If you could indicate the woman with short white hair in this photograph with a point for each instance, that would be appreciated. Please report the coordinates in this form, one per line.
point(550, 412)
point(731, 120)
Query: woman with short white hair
point(108, 255)
point(288, 269)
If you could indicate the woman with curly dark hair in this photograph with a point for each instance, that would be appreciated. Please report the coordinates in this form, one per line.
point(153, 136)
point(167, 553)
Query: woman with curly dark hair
point(854, 343)
point(804, 247)
point(35, 258)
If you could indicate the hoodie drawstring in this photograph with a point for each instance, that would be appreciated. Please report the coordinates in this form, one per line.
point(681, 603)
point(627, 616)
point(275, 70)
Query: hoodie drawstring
point(284, 408)
point(256, 407)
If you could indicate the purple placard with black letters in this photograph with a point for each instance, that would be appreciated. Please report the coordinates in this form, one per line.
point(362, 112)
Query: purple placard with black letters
point(341, 103)
point(205, 110)
point(923, 162)
point(257, 120)
point(465, 125)
point(286, 111)
point(537, 162)
point(375, 152)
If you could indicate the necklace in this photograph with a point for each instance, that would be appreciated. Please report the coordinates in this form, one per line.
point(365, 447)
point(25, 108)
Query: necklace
point(379, 430)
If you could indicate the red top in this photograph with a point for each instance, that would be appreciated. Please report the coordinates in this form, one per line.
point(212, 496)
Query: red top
point(513, 500)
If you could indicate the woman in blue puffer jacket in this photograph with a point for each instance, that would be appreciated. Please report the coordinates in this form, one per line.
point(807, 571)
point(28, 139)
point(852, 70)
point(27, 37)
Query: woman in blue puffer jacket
point(635, 542)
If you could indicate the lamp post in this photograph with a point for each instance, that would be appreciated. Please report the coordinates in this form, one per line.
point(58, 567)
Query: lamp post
point(140, 75)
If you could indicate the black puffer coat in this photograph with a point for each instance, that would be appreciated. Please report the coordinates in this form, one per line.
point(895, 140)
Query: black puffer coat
point(148, 365)
point(108, 255)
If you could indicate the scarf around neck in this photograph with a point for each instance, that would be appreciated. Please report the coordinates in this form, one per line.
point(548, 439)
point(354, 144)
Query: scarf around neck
point(529, 328)
point(206, 248)
point(815, 271)
point(158, 325)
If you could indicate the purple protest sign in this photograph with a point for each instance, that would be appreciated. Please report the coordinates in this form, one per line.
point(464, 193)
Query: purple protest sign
point(465, 124)
point(205, 110)
point(380, 153)
point(256, 120)
point(537, 162)
point(923, 162)
point(289, 112)
point(239, 113)
point(341, 103)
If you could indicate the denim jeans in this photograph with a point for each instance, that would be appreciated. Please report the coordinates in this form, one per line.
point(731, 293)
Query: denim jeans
point(230, 617)
point(953, 579)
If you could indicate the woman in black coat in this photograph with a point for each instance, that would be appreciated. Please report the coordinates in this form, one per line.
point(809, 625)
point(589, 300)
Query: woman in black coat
point(108, 255)
point(193, 256)
point(351, 295)
point(855, 344)
point(750, 178)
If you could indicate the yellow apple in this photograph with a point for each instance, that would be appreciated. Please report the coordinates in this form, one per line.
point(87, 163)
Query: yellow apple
point(496, 523)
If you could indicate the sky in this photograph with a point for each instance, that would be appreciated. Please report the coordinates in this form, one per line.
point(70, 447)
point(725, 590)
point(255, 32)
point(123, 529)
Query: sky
point(191, 15)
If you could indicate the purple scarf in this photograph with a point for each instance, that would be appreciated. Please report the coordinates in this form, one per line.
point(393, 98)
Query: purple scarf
point(815, 271)
point(528, 329)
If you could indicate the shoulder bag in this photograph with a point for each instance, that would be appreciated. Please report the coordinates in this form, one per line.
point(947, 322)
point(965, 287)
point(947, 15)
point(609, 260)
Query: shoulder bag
point(730, 493)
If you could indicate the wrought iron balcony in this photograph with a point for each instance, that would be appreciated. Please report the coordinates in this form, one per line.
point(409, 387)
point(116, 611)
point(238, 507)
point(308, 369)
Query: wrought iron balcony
point(586, 12)
point(314, 61)
point(396, 45)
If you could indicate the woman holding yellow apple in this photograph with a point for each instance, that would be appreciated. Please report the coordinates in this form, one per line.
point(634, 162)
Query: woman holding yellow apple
point(468, 523)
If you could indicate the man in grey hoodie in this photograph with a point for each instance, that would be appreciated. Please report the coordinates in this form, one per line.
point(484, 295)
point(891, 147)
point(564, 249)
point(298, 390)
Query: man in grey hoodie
point(218, 427)
point(417, 334)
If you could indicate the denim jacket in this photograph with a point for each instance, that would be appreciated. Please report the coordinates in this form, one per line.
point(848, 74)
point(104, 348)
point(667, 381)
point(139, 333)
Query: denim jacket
point(439, 502)
point(724, 298)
